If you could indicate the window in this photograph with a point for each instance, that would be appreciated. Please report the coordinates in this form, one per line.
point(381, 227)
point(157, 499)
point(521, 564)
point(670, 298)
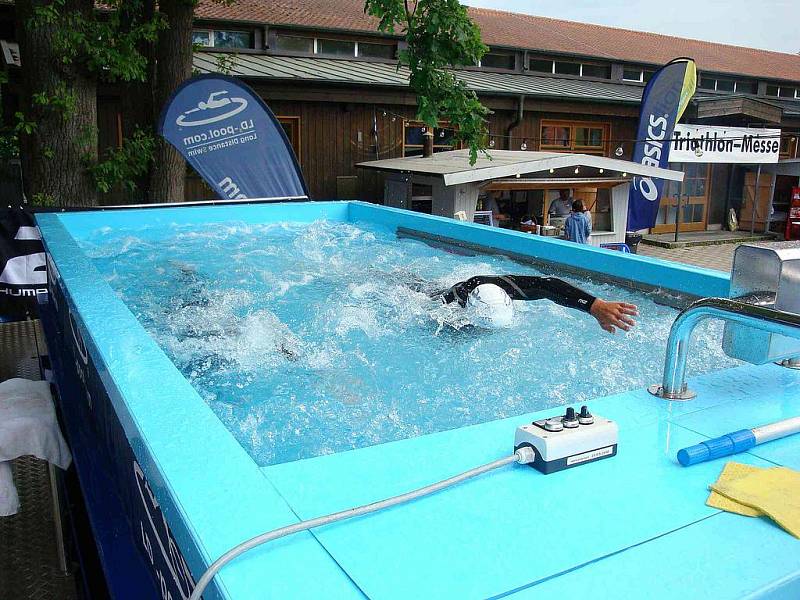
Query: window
point(567, 68)
point(370, 50)
point(291, 126)
point(496, 60)
point(233, 39)
point(747, 87)
point(202, 38)
point(539, 65)
point(555, 136)
point(707, 84)
point(336, 47)
point(726, 85)
point(783, 91)
point(789, 145)
point(563, 67)
point(292, 43)
point(599, 71)
point(631, 74)
point(576, 136)
point(414, 138)
point(222, 39)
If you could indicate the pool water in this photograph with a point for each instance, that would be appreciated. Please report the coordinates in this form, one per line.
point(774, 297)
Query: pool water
point(309, 339)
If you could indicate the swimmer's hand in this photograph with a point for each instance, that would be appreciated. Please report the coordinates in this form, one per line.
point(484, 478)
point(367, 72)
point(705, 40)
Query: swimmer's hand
point(612, 315)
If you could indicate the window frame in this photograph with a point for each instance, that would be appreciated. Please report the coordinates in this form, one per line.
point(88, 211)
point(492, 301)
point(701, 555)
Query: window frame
point(573, 147)
point(641, 75)
point(508, 54)
point(443, 147)
point(211, 38)
point(294, 139)
point(209, 33)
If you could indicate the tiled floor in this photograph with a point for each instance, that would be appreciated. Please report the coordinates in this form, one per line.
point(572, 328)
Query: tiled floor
point(719, 256)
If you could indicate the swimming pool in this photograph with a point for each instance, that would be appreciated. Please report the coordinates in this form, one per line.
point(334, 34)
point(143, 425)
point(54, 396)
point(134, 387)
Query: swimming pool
point(170, 488)
point(309, 339)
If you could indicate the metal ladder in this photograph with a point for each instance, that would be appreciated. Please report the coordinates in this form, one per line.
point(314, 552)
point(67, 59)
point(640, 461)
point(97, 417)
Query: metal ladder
point(756, 315)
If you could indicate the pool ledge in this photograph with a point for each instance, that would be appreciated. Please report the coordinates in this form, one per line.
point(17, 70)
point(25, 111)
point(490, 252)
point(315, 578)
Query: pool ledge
point(585, 530)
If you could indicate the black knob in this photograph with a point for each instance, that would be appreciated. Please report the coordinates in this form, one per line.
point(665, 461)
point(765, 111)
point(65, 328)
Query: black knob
point(585, 417)
point(585, 412)
point(570, 420)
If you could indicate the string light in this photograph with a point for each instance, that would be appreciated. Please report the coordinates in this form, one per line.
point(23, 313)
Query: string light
point(618, 151)
point(576, 170)
point(441, 133)
point(601, 171)
point(624, 174)
point(524, 145)
point(552, 171)
point(698, 152)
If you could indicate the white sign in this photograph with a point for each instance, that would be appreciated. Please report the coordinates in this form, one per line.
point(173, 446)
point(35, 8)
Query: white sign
point(706, 144)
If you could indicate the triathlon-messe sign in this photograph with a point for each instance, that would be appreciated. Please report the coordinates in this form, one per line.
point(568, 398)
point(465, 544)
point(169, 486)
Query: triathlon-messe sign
point(707, 144)
point(232, 139)
point(664, 99)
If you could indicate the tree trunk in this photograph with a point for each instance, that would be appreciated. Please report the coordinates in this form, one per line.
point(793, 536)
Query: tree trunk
point(55, 156)
point(173, 67)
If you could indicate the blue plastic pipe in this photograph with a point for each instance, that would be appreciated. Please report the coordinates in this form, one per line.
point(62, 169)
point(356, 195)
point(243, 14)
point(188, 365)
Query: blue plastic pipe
point(738, 441)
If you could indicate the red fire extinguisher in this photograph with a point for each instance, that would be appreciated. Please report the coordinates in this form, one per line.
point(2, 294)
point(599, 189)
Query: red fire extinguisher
point(793, 221)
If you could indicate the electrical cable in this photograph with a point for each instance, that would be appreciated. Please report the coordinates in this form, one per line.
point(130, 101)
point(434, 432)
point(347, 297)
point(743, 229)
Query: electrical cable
point(524, 455)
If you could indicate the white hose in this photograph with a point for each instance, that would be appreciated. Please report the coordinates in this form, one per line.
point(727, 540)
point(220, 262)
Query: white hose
point(523, 456)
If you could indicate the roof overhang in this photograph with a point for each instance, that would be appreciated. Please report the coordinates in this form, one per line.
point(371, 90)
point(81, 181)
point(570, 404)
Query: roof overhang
point(454, 168)
point(738, 106)
point(789, 166)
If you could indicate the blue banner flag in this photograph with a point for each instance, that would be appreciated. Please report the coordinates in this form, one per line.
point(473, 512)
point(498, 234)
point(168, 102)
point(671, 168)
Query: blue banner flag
point(232, 139)
point(665, 98)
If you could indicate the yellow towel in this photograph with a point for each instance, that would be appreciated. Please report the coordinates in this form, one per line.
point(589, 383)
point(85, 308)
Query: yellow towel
point(731, 472)
point(774, 492)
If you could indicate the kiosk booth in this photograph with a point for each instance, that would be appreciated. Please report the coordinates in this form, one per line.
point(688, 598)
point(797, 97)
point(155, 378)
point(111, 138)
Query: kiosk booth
point(446, 184)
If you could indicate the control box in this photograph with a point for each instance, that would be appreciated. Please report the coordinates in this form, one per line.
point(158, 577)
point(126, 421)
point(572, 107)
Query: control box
point(568, 440)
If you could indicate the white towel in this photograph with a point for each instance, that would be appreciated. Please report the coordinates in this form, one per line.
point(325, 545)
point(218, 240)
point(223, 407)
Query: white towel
point(28, 426)
point(9, 501)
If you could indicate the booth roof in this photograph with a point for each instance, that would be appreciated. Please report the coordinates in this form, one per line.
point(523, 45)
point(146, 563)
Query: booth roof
point(454, 168)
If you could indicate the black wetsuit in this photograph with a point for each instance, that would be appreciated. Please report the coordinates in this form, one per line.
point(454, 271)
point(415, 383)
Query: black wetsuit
point(524, 287)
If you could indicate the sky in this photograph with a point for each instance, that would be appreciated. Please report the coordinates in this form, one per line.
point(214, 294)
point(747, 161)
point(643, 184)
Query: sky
point(767, 24)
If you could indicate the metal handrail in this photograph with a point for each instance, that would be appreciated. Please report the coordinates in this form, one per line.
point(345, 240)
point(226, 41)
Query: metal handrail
point(758, 316)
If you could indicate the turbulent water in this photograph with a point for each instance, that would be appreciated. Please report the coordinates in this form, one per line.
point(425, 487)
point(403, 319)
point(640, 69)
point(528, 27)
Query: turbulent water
point(313, 339)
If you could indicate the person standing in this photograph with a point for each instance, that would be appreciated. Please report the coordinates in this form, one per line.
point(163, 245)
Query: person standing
point(578, 225)
point(561, 206)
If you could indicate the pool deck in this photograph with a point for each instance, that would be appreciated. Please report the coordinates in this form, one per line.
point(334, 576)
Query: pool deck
point(632, 525)
point(611, 529)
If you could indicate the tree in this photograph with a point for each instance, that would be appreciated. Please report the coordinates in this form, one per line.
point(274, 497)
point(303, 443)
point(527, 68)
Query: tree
point(440, 36)
point(66, 48)
point(58, 133)
point(173, 67)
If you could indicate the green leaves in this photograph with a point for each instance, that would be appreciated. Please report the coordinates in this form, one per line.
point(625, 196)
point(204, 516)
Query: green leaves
point(440, 36)
point(106, 43)
point(123, 165)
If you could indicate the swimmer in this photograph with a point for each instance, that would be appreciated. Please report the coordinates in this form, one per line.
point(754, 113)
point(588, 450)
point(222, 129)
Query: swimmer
point(488, 298)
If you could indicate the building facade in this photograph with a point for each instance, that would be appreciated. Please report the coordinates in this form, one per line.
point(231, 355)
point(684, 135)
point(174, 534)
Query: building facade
point(335, 85)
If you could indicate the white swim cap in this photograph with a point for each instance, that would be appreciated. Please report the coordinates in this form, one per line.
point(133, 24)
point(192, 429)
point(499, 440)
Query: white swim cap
point(489, 306)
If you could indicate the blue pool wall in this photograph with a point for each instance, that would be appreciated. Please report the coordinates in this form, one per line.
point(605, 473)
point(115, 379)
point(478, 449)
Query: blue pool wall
point(189, 459)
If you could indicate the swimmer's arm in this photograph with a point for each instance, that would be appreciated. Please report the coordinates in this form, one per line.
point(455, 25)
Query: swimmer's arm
point(531, 287)
point(610, 315)
point(613, 315)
